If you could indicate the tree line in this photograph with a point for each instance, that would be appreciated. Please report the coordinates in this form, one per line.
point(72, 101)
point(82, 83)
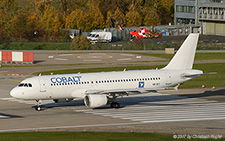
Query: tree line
point(41, 20)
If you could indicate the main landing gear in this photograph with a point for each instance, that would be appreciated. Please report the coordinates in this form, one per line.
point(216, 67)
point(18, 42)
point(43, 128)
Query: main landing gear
point(115, 105)
point(38, 107)
point(112, 99)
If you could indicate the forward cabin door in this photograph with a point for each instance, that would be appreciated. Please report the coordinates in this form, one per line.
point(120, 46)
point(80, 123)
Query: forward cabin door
point(42, 85)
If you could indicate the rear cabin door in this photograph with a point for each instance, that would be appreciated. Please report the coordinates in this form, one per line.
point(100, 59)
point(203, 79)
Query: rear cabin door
point(42, 85)
point(168, 79)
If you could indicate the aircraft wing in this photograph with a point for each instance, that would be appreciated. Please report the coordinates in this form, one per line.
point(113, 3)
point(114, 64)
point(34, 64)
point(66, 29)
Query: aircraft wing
point(121, 91)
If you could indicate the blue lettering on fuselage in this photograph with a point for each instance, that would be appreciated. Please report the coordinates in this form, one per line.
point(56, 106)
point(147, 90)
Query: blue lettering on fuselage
point(65, 79)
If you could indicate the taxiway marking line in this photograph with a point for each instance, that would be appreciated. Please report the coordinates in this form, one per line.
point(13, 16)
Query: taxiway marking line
point(61, 59)
point(125, 59)
point(179, 120)
point(65, 54)
point(92, 60)
point(127, 54)
point(103, 125)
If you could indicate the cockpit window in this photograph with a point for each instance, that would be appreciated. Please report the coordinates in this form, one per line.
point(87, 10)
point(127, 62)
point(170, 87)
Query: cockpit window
point(25, 85)
point(21, 85)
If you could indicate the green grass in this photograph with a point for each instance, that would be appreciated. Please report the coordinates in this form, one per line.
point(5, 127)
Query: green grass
point(19, 66)
point(86, 136)
point(210, 80)
point(37, 46)
point(101, 46)
point(106, 69)
point(210, 56)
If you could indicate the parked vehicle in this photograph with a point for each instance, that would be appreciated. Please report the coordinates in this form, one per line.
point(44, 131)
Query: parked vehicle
point(100, 37)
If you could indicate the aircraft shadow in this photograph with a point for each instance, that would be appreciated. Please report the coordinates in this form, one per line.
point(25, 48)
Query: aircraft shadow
point(129, 101)
point(64, 104)
point(38, 61)
point(7, 116)
point(140, 100)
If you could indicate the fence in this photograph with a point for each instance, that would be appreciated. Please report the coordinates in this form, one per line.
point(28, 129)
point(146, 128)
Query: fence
point(16, 57)
point(173, 30)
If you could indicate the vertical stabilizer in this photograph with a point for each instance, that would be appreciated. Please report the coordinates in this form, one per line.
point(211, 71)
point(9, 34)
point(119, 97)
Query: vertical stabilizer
point(184, 57)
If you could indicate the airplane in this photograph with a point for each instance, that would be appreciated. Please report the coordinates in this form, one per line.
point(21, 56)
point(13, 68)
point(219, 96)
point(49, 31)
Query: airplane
point(98, 89)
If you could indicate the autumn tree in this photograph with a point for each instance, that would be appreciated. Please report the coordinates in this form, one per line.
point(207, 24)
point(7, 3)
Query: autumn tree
point(109, 14)
point(3, 26)
point(19, 19)
point(151, 17)
point(119, 12)
point(133, 18)
point(80, 43)
point(165, 11)
point(93, 19)
point(51, 21)
point(75, 20)
point(9, 6)
point(19, 25)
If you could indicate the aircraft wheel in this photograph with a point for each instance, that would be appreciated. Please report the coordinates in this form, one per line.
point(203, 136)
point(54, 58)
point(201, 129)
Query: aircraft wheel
point(115, 105)
point(38, 108)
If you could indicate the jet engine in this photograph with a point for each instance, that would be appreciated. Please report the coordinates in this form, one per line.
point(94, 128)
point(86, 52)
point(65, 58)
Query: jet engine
point(62, 100)
point(94, 101)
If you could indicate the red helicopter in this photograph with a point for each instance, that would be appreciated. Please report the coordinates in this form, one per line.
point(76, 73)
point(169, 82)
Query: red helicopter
point(116, 20)
point(144, 33)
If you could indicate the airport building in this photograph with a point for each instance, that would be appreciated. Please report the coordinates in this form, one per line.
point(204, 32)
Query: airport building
point(209, 15)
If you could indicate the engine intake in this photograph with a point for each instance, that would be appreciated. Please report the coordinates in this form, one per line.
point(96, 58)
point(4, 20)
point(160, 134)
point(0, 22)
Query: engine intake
point(94, 101)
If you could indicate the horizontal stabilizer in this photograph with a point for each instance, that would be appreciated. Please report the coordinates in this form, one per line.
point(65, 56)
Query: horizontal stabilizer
point(196, 75)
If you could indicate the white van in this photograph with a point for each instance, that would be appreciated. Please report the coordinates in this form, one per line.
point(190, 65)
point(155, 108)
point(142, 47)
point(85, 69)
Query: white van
point(90, 35)
point(100, 37)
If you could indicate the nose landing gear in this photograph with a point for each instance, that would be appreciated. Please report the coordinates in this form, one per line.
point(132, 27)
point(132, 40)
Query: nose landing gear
point(38, 106)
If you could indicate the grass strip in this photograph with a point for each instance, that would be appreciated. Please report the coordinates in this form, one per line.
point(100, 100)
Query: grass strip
point(20, 66)
point(88, 136)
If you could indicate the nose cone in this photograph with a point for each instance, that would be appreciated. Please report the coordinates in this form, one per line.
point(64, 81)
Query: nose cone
point(13, 93)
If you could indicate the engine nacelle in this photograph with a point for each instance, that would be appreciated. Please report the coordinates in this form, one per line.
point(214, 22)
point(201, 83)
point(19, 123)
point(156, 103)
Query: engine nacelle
point(62, 100)
point(94, 101)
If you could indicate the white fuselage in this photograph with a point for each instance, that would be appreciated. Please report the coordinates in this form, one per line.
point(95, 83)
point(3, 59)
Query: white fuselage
point(78, 85)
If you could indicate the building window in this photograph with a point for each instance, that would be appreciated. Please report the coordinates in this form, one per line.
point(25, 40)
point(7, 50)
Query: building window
point(185, 9)
point(185, 21)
